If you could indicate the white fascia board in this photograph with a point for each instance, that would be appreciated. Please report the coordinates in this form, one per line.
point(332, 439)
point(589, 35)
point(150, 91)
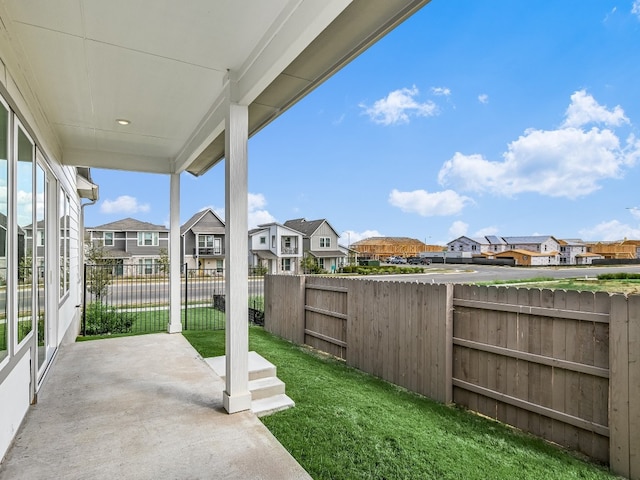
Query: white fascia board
point(291, 33)
point(211, 125)
point(282, 44)
point(116, 161)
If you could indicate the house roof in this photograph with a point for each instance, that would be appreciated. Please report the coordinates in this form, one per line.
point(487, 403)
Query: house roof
point(130, 225)
point(521, 251)
point(387, 241)
point(197, 217)
point(326, 253)
point(287, 227)
point(171, 67)
point(528, 239)
point(307, 227)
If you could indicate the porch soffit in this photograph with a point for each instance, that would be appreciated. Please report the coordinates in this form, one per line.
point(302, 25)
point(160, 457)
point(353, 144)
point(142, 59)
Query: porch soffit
point(162, 65)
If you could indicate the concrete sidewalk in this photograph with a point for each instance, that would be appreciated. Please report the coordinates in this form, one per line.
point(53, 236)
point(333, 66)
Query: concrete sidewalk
point(142, 407)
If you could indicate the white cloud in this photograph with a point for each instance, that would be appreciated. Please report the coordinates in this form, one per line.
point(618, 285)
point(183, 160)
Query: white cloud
point(257, 213)
point(635, 211)
point(428, 204)
point(635, 8)
point(483, 98)
point(441, 91)
point(610, 231)
point(398, 106)
point(123, 204)
point(584, 109)
point(350, 237)
point(568, 162)
point(483, 232)
point(458, 229)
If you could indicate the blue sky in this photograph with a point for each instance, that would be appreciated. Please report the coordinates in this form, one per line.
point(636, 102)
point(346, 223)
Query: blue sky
point(474, 117)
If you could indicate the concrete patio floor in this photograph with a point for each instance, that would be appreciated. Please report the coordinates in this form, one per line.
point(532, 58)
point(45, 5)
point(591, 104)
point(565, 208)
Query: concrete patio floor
point(142, 407)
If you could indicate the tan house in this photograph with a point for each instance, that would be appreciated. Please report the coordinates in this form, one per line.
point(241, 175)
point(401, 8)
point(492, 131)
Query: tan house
point(529, 258)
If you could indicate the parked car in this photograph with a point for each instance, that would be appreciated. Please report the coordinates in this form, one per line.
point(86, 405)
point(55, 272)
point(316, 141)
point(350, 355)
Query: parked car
point(419, 261)
point(397, 260)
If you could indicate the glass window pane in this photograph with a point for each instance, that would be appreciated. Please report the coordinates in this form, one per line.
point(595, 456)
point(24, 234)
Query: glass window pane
point(4, 175)
point(25, 223)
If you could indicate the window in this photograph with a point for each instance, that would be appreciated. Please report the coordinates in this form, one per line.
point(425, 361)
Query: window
point(287, 242)
point(263, 240)
point(145, 266)
point(147, 239)
point(273, 241)
point(108, 239)
point(65, 243)
point(286, 264)
point(205, 241)
point(4, 175)
point(321, 263)
point(325, 242)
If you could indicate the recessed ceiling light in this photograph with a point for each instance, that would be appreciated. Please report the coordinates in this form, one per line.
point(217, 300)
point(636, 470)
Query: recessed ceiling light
point(123, 121)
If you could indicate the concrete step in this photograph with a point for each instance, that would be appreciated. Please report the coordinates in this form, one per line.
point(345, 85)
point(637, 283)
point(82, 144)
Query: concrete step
point(267, 391)
point(259, 367)
point(267, 406)
point(266, 387)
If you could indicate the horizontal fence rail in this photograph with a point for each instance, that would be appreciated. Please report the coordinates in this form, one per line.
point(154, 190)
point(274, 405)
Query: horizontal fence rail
point(123, 299)
point(562, 365)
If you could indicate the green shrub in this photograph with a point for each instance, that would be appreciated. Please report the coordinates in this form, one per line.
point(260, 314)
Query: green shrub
point(101, 319)
point(619, 276)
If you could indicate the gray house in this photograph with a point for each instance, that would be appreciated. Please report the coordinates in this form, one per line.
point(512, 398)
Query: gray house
point(202, 242)
point(320, 241)
point(133, 245)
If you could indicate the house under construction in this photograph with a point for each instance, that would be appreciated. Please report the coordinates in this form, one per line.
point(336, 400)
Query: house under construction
point(380, 248)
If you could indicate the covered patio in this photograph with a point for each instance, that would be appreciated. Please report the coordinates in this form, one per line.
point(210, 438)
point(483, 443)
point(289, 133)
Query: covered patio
point(168, 87)
point(142, 407)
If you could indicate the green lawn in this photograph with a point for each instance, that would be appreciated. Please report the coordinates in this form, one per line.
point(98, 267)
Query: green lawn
point(154, 321)
point(350, 425)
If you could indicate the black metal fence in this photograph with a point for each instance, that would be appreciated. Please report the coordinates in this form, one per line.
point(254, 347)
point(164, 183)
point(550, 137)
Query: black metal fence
point(121, 300)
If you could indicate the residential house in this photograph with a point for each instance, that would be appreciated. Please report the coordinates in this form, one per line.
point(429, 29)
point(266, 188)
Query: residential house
point(202, 242)
point(464, 244)
point(70, 100)
point(489, 244)
point(530, 258)
point(134, 246)
point(320, 241)
point(575, 252)
point(276, 247)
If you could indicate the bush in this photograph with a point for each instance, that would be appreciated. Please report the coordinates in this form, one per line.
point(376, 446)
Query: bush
point(101, 319)
point(619, 276)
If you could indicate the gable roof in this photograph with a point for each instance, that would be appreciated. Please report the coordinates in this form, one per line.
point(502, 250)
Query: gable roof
point(529, 239)
point(130, 225)
point(189, 224)
point(307, 227)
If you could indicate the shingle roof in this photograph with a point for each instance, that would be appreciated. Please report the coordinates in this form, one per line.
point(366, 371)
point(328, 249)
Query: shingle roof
point(527, 239)
point(306, 227)
point(189, 224)
point(130, 225)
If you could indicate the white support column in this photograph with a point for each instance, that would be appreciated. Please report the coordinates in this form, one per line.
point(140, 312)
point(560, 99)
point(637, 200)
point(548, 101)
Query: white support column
point(236, 396)
point(175, 287)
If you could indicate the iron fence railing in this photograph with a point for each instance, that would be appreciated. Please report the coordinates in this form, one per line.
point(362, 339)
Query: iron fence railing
point(116, 303)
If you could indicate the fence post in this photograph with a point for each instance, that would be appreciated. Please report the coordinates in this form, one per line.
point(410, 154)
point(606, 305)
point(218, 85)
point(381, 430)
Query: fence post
point(84, 302)
point(186, 296)
point(619, 394)
point(448, 332)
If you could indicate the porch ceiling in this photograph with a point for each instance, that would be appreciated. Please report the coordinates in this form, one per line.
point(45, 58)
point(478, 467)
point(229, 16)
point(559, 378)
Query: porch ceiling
point(162, 65)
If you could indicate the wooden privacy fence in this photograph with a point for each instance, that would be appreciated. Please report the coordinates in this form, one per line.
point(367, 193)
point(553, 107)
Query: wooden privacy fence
point(562, 365)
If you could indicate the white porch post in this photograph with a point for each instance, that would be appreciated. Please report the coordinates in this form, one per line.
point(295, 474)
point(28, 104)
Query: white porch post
point(175, 324)
point(236, 396)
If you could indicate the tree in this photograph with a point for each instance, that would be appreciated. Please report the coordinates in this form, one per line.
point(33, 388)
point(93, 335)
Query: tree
point(163, 261)
point(310, 265)
point(99, 269)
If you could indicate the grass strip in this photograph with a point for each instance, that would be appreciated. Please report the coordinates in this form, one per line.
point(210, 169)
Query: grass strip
point(350, 425)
